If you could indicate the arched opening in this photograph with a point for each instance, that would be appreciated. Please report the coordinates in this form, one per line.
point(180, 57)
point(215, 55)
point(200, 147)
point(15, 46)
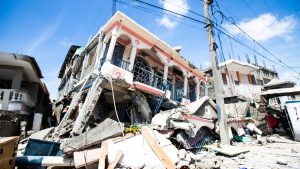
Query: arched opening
point(202, 89)
point(192, 91)
point(178, 82)
point(121, 54)
point(141, 70)
point(149, 69)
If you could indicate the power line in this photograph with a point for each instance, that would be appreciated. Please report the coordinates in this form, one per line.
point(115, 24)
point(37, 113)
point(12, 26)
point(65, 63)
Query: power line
point(255, 40)
point(157, 14)
point(230, 36)
point(158, 7)
point(234, 25)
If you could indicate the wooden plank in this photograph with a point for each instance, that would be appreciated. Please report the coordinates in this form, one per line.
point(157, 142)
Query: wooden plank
point(164, 158)
point(114, 163)
point(121, 138)
point(103, 154)
point(92, 155)
point(86, 157)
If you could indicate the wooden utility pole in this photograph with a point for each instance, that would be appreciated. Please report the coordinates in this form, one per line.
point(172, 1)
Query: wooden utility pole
point(222, 119)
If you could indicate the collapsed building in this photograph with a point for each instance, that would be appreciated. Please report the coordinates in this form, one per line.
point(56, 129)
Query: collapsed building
point(123, 81)
point(24, 98)
point(145, 74)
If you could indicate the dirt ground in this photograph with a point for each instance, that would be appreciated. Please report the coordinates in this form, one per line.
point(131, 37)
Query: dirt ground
point(269, 152)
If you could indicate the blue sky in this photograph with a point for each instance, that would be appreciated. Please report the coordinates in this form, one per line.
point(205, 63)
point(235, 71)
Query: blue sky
point(46, 29)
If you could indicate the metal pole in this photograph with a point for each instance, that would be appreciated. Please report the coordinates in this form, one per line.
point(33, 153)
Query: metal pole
point(222, 119)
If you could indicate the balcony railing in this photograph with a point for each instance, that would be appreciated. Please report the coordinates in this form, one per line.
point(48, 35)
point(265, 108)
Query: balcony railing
point(151, 79)
point(117, 62)
point(10, 97)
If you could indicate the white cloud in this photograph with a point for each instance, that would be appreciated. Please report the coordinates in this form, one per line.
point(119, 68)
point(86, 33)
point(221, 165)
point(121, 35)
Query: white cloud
point(291, 76)
point(265, 27)
point(178, 6)
point(165, 21)
point(44, 35)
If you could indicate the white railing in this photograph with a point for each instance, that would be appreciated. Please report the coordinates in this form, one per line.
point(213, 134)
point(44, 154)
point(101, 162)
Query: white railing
point(9, 96)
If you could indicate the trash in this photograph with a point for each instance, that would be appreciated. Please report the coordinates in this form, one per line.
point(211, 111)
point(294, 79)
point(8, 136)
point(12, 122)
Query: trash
point(281, 162)
point(241, 138)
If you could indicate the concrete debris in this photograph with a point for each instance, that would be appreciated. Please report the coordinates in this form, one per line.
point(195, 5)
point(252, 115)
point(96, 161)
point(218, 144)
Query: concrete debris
point(107, 129)
point(115, 113)
point(282, 162)
point(181, 154)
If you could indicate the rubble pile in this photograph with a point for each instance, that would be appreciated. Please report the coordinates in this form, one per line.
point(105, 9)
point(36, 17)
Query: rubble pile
point(183, 137)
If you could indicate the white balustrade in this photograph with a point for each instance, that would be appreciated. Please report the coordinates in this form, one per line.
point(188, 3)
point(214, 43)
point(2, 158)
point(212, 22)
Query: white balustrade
point(11, 96)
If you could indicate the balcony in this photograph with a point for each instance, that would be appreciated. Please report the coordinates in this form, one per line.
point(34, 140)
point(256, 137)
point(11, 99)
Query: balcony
point(15, 100)
point(146, 79)
point(149, 78)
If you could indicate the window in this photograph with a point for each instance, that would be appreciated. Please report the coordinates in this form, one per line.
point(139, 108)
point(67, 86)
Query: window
point(259, 82)
point(224, 78)
point(266, 81)
point(253, 79)
point(118, 54)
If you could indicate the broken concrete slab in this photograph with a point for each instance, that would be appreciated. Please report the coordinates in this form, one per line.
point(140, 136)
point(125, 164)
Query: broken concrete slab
point(136, 153)
point(227, 149)
point(86, 157)
point(88, 105)
point(161, 121)
point(105, 130)
point(203, 107)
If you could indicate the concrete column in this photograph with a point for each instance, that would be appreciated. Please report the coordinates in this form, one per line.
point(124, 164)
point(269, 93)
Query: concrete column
point(197, 89)
point(99, 50)
point(101, 55)
point(132, 57)
point(83, 66)
point(5, 100)
point(174, 87)
point(33, 91)
point(185, 84)
point(112, 44)
point(166, 68)
point(17, 78)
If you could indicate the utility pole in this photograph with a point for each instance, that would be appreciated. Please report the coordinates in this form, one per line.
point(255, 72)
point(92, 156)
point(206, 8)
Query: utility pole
point(114, 7)
point(222, 119)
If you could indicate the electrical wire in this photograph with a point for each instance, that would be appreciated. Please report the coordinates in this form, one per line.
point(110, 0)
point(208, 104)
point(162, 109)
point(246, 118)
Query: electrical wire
point(223, 31)
point(113, 93)
point(157, 14)
point(281, 63)
point(261, 46)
